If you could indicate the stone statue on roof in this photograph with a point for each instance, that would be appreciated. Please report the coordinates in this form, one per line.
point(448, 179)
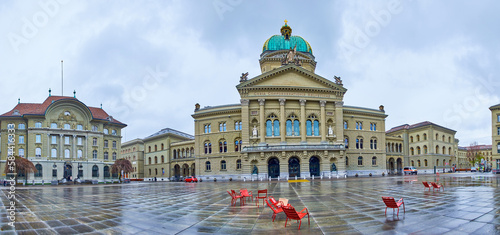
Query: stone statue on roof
point(338, 81)
point(244, 77)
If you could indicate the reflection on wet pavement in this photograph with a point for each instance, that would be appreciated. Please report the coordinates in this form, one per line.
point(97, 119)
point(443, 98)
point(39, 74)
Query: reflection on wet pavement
point(469, 204)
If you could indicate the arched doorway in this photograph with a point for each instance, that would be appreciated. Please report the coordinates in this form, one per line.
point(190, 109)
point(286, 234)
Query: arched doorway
point(334, 167)
point(391, 166)
point(177, 171)
point(274, 168)
point(314, 166)
point(106, 172)
point(193, 172)
point(185, 170)
point(68, 171)
point(400, 165)
point(294, 167)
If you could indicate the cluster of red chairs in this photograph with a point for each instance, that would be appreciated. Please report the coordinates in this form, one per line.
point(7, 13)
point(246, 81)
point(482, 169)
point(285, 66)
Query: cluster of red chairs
point(244, 193)
point(433, 185)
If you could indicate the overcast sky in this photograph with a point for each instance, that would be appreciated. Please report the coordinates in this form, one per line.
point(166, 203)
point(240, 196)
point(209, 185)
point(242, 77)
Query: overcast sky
point(150, 62)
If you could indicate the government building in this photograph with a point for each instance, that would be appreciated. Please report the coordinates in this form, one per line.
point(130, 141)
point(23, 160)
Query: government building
point(63, 138)
point(495, 137)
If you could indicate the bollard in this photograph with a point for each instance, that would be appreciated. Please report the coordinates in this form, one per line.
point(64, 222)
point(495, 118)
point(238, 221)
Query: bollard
point(269, 178)
point(330, 176)
point(345, 176)
point(295, 177)
point(43, 182)
point(313, 177)
point(279, 178)
point(321, 176)
point(244, 179)
point(304, 177)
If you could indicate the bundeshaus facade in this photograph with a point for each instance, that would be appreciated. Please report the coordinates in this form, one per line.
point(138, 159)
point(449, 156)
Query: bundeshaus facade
point(290, 122)
point(64, 138)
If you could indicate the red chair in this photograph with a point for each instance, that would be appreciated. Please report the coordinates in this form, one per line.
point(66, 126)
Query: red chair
point(426, 185)
point(245, 193)
point(436, 186)
point(276, 210)
point(391, 203)
point(236, 197)
point(275, 203)
point(259, 192)
point(292, 214)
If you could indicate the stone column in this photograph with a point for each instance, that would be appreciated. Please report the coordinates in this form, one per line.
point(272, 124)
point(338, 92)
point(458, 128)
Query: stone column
point(74, 147)
point(262, 121)
point(49, 142)
point(339, 121)
point(245, 122)
point(282, 120)
point(322, 129)
point(303, 120)
point(61, 146)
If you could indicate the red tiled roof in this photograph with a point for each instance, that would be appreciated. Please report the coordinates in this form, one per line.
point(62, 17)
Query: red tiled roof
point(39, 109)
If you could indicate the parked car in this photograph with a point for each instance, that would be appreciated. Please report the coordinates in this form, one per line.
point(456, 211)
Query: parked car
point(191, 179)
point(473, 169)
point(410, 170)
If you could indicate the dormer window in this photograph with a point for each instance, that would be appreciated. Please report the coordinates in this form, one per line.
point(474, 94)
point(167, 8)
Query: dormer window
point(16, 112)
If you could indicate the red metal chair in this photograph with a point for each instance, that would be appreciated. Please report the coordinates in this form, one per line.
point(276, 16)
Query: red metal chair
point(236, 197)
point(245, 193)
point(436, 186)
point(259, 192)
point(275, 203)
point(276, 210)
point(390, 202)
point(292, 214)
point(426, 185)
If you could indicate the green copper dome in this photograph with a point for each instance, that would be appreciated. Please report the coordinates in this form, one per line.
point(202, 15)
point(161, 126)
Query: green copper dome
point(286, 41)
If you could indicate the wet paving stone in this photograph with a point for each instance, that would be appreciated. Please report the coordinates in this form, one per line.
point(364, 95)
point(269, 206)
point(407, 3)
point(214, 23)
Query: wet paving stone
point(469, 205)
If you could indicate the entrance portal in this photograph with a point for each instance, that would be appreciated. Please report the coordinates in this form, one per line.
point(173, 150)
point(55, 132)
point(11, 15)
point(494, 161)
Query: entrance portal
point(68, 171)
point(274, 168)
point(314, 166)
point(294, 167)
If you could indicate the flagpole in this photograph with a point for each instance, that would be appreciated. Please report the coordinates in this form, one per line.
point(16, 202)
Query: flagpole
point(62, 79)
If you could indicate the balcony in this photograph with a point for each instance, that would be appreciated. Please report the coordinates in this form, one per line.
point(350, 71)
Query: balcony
point(301, 147)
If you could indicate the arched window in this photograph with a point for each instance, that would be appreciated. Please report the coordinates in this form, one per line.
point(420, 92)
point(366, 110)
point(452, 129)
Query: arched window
point(442, 138)
point(95, 171)
point(156, 171)
point(237, 145)
point(114, 156)
point(418, 150)
point(53, 153)
point(156, 147)
point(437, 149)
point(237, 125)
point(207, 166)
point(149, 148)
point(359, 143)
point(149, 171)
point(449, 151)
point(412, 152)
point(373, 144)
point(292, 126)
point(345, 125)
point(425, 162)
point(347, 161)
point(412, 163)
point(425, 136)
point(418, 137)
point(106, 171)
point(346, 142)
point(156, 160)
point(272, 126)
point(437, 136)
point(411, 139)
point(191, 153)
point(149, 160)
point(360, 161)
point(425, 149)
point(174, 152)
point(223, 165)
point(162, 159)
point(419, 163)
point(238, 164)
point(374, 161)
point(444, 150)
point(312, 126)
point(222, 146)
point(449, 139)
point(39, 171)
point(162, 146)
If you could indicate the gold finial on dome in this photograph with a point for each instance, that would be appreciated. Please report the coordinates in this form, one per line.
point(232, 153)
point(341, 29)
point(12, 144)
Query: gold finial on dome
point(286, 31)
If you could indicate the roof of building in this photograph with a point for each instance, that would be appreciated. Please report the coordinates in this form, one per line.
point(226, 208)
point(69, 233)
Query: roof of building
point(476, 147)
point(22, 109)
point(171, 131)
point(417, 125)
point(495, 107)
point(286, 41)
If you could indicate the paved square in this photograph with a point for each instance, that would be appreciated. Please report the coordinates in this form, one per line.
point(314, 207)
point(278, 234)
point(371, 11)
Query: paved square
point(468, 205)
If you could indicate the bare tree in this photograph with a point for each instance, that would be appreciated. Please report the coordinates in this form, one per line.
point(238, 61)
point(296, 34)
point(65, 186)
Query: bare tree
point(121, 165)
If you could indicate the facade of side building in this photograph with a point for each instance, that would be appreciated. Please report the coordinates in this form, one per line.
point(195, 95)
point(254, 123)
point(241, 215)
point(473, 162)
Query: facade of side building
point(495, 137)
point(63, 138)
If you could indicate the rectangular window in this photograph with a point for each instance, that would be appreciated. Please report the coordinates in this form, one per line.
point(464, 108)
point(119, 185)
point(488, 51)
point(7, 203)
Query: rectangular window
point(21, 139)
point(53, 153)
point(80, 140)
point(105, 143)
point(21, 126)
point(53, 139)
point(498, 118)
point(66, 139)
point(54, 173)
point(113, 132)
point(114, 144)
point(53, 125)
point(94, 128)
point(94, 142)
point(38, 125)
point(38, 138)
point(498, 130)
point(79, 127)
